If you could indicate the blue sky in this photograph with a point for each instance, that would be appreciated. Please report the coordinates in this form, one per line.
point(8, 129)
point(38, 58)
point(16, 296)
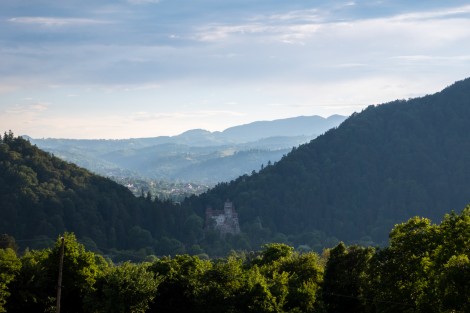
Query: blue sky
point(142, 68)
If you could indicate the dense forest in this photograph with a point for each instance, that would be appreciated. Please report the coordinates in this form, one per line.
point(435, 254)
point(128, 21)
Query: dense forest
point(378, 168)
point(425, 268)
point(42, 196)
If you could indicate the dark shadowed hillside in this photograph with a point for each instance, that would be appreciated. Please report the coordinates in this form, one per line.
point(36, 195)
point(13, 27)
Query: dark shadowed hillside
point(42, 196)
point(379, 167)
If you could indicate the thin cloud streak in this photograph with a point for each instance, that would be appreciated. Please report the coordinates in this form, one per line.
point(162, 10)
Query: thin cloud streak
point(456, 12)
point(27, 108)
point(301, 27)
point(146, 116)
point(56, 21)
point(432, 58)
point(143, 1)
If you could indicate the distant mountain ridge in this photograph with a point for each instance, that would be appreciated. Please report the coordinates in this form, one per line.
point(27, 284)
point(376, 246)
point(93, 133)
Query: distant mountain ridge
point(294, 126)
point(287, 127)
point(189, 156)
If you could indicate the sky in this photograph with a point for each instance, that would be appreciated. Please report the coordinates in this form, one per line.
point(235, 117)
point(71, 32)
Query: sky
point(146, 68)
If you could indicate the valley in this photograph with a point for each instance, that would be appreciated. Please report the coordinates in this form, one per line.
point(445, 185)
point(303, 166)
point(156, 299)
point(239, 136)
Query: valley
point(195, 158)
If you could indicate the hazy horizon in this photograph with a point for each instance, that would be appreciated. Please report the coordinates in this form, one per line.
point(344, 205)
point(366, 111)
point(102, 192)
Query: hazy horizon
point(180, 133)
point(147, 68)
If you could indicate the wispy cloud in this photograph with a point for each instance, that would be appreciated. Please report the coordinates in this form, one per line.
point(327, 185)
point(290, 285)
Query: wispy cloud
point(286, 34)
point(297, 26)
point(348, 65)
point(146, 116)
point(453, 12)
point(56, 21)
point(27, 108)
point(288, 27)
point(218, 32)
point(132, 87)
point(143, 1)
point(432, 58)
point(310, 15)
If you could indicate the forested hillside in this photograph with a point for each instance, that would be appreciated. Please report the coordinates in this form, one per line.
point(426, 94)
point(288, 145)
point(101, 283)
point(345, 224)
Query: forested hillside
point(378, 168)
point(42, 196)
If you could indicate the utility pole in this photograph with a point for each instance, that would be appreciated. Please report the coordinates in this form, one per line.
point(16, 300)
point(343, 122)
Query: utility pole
point(59, 281)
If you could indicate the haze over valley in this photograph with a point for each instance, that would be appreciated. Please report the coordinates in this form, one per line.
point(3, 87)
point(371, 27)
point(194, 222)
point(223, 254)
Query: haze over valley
point(172, 167)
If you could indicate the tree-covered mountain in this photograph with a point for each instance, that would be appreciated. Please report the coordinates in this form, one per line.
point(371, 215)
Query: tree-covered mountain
point(42, 196)
point(196, 156)
point(380, 167)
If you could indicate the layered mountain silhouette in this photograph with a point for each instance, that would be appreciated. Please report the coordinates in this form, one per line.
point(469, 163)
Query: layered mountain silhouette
point(196, 155)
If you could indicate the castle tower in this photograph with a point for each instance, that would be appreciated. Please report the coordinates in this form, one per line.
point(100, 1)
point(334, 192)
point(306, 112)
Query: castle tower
point(228, 209)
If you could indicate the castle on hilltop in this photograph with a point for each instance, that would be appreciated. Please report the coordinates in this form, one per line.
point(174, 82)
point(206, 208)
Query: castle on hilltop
point(225, 221)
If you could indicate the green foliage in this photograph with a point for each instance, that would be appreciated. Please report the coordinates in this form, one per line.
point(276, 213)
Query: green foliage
point(7, 241)
point(256, 294)
point(36, 283)
point(305, 278)
point(80, 271)
point(181, 285)
point(425, 269)
point(345, 278)
point(222, 285)
point(275, 252)
point(124, 288)
point(9, 267)
point(453, 284)
point(31, 286)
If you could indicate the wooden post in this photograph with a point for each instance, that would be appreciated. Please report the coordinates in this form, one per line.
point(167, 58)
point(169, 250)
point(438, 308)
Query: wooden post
point(59, 281)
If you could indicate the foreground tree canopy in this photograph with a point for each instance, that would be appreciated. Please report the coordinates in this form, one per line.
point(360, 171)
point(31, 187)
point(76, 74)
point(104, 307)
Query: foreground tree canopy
point(425, 268)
